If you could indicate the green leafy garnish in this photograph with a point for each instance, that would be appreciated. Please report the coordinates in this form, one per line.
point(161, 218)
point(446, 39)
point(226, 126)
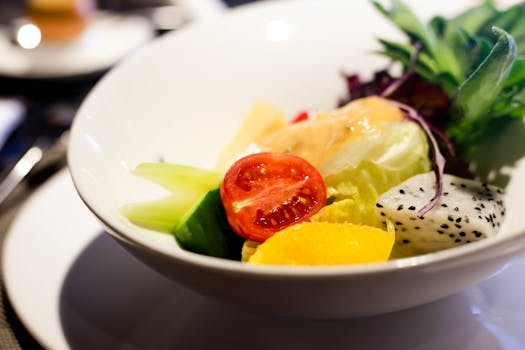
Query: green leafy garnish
point(474, 110)
point(476, 57)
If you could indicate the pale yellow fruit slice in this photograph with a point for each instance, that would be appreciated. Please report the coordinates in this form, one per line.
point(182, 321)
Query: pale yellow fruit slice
point(263, 119)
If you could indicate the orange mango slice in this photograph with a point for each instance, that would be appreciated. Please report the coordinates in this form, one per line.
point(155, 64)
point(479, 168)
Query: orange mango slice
point(325, 243)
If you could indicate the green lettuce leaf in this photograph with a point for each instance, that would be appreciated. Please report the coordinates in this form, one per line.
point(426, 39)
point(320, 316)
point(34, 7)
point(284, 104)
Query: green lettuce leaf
point(473, 118)
point(511, 20)
point(444, 55)
point(356, 175)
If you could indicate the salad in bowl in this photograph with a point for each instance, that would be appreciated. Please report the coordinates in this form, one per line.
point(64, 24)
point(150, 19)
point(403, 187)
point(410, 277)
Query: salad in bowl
point(353, 184)
point(291, 183)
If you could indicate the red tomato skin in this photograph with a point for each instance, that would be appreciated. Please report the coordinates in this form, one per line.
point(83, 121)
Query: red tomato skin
point(300, 117)
point(263, 193)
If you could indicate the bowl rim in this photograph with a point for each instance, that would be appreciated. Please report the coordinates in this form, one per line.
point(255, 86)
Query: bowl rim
point(499, 246)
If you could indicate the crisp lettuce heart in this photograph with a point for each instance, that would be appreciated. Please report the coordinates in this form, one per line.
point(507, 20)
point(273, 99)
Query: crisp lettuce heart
point(358, 173)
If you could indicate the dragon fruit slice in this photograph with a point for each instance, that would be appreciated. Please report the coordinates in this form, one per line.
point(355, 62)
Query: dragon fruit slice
point(467, 211)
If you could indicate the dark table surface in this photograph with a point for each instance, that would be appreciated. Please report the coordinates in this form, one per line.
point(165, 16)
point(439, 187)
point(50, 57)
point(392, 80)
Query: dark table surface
point(48, 107)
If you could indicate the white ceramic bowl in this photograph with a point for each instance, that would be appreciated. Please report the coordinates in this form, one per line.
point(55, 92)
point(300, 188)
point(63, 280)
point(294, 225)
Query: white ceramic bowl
point(182, 98)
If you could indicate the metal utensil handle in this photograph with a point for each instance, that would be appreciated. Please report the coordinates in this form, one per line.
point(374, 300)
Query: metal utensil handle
point(24, 165)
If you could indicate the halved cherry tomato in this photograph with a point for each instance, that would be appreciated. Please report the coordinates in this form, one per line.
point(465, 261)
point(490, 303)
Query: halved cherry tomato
point(265, 192)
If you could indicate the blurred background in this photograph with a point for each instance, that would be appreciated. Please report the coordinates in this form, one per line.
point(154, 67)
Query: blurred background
point(52, 52)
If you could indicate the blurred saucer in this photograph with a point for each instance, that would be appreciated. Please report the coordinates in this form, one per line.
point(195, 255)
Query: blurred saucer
point(106, 39)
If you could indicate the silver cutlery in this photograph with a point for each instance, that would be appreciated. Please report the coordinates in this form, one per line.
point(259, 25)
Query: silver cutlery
point(30, 160)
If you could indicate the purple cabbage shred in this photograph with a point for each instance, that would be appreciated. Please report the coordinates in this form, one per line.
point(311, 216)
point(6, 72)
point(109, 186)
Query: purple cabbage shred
point(438, 160)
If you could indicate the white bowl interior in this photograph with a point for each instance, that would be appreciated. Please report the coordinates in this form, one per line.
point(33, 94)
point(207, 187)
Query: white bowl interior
point(184, 96)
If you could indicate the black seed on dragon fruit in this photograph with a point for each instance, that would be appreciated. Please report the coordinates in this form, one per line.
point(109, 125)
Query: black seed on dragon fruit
point(467, 212)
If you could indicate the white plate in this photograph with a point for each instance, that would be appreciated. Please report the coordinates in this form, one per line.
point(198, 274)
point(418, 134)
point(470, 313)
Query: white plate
point(106, 40)
point(74, 287)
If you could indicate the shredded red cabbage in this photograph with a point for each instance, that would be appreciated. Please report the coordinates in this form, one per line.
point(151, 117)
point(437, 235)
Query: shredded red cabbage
point(438, 161)
point(429, 99)
point(397, 83)
point(394, 86)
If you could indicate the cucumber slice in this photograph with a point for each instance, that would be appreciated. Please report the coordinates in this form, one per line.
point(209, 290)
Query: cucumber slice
point(204, 229)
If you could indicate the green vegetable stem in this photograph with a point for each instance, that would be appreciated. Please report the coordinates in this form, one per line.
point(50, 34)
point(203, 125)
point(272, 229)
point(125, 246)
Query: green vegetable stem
point(186, 185)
